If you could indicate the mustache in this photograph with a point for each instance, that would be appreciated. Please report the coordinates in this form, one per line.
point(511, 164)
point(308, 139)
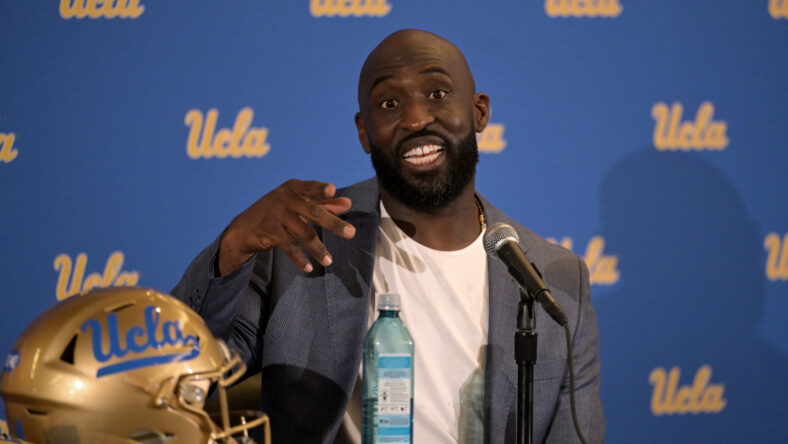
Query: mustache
point(421, 133)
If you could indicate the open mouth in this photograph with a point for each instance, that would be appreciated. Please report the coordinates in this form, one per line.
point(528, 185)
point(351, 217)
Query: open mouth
point(424, 154)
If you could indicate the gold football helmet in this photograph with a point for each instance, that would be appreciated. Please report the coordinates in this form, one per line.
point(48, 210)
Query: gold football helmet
point(121, 365)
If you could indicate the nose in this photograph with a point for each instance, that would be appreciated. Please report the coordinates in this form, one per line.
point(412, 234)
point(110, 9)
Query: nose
point(416, 115)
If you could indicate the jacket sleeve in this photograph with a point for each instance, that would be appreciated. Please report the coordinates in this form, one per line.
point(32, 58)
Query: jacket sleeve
point(585, 353)
point(231, 305)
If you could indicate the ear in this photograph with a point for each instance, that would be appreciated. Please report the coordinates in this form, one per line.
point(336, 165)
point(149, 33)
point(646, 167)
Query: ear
point(481, 111)
point(362, 133)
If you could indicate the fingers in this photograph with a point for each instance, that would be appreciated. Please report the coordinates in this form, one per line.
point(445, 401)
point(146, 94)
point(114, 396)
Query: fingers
point(305, 235)
point(292, 248)
point(323, 214)
point(319, 209)
point(286, 218)
point(336, 206)
point(311, 189)
point(294, 234)
point(289, 235)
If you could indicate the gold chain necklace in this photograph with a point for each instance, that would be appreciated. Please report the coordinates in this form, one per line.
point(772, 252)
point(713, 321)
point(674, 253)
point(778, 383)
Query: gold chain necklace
point(481, 213)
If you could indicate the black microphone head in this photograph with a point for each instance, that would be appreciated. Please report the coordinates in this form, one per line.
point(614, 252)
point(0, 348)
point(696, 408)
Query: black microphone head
point(496, 234)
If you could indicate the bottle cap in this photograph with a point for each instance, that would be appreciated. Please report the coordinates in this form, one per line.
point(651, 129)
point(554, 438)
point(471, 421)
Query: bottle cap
point(389, 301)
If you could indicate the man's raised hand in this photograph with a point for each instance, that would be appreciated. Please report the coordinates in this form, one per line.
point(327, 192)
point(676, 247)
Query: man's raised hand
point(282, 219)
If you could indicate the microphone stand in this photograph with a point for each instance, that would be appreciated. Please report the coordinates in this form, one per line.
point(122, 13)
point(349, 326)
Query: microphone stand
point(525, 355)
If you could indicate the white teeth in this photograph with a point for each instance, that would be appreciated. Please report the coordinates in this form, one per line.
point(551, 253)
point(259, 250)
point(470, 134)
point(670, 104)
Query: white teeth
point(422, 160)
point(421, 151)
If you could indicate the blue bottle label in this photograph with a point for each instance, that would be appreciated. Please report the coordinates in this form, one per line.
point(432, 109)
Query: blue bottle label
point(394, 389)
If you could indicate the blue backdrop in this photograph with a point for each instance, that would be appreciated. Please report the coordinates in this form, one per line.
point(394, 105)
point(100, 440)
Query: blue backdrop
point(132, 132)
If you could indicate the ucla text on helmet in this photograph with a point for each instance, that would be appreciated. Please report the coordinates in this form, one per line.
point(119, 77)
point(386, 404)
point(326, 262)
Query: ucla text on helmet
point(139, 339)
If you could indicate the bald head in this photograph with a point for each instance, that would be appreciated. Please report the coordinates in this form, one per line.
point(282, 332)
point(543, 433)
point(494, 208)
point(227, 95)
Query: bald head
point(409, 47)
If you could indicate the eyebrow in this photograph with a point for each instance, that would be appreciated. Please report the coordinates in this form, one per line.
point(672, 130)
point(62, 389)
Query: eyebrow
point(380, 79)
point(435, 70)
point(428, 70)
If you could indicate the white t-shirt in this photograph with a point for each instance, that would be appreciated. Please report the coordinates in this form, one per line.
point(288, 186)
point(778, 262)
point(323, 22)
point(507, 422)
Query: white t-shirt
point(445, 308)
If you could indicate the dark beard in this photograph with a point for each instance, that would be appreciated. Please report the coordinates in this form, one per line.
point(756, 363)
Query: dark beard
point(431, 191)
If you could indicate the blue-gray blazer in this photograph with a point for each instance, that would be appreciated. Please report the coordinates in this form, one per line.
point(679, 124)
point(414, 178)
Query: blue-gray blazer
point(304, 331)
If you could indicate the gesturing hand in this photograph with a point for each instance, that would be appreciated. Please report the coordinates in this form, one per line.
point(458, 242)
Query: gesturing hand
point(282, 219)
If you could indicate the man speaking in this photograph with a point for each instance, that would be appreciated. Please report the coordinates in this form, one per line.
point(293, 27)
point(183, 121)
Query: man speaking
point(291, 282)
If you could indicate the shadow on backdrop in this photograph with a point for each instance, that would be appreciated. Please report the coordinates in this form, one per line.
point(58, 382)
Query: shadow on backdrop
point(691, 294)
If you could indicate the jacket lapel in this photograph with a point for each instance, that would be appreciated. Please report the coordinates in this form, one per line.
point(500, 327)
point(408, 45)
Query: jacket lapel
point(348, 282)
point(501, 370)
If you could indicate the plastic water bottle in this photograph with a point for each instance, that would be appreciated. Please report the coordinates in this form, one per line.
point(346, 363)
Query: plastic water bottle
point(387, 409)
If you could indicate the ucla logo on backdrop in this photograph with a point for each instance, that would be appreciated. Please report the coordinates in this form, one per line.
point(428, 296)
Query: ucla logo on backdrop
point(583, 8)
point(112, 276)
point(240, 141)
point(346, 8)
point(700, 397)
point(139, 339)
point(778, 9)
point(602, 268)
point(491, 140)
point(101, 9)
point(7, 151)
point(777, 259)
point(671, 134)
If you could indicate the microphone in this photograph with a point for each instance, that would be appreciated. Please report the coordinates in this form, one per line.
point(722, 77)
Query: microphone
point(501, 241)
